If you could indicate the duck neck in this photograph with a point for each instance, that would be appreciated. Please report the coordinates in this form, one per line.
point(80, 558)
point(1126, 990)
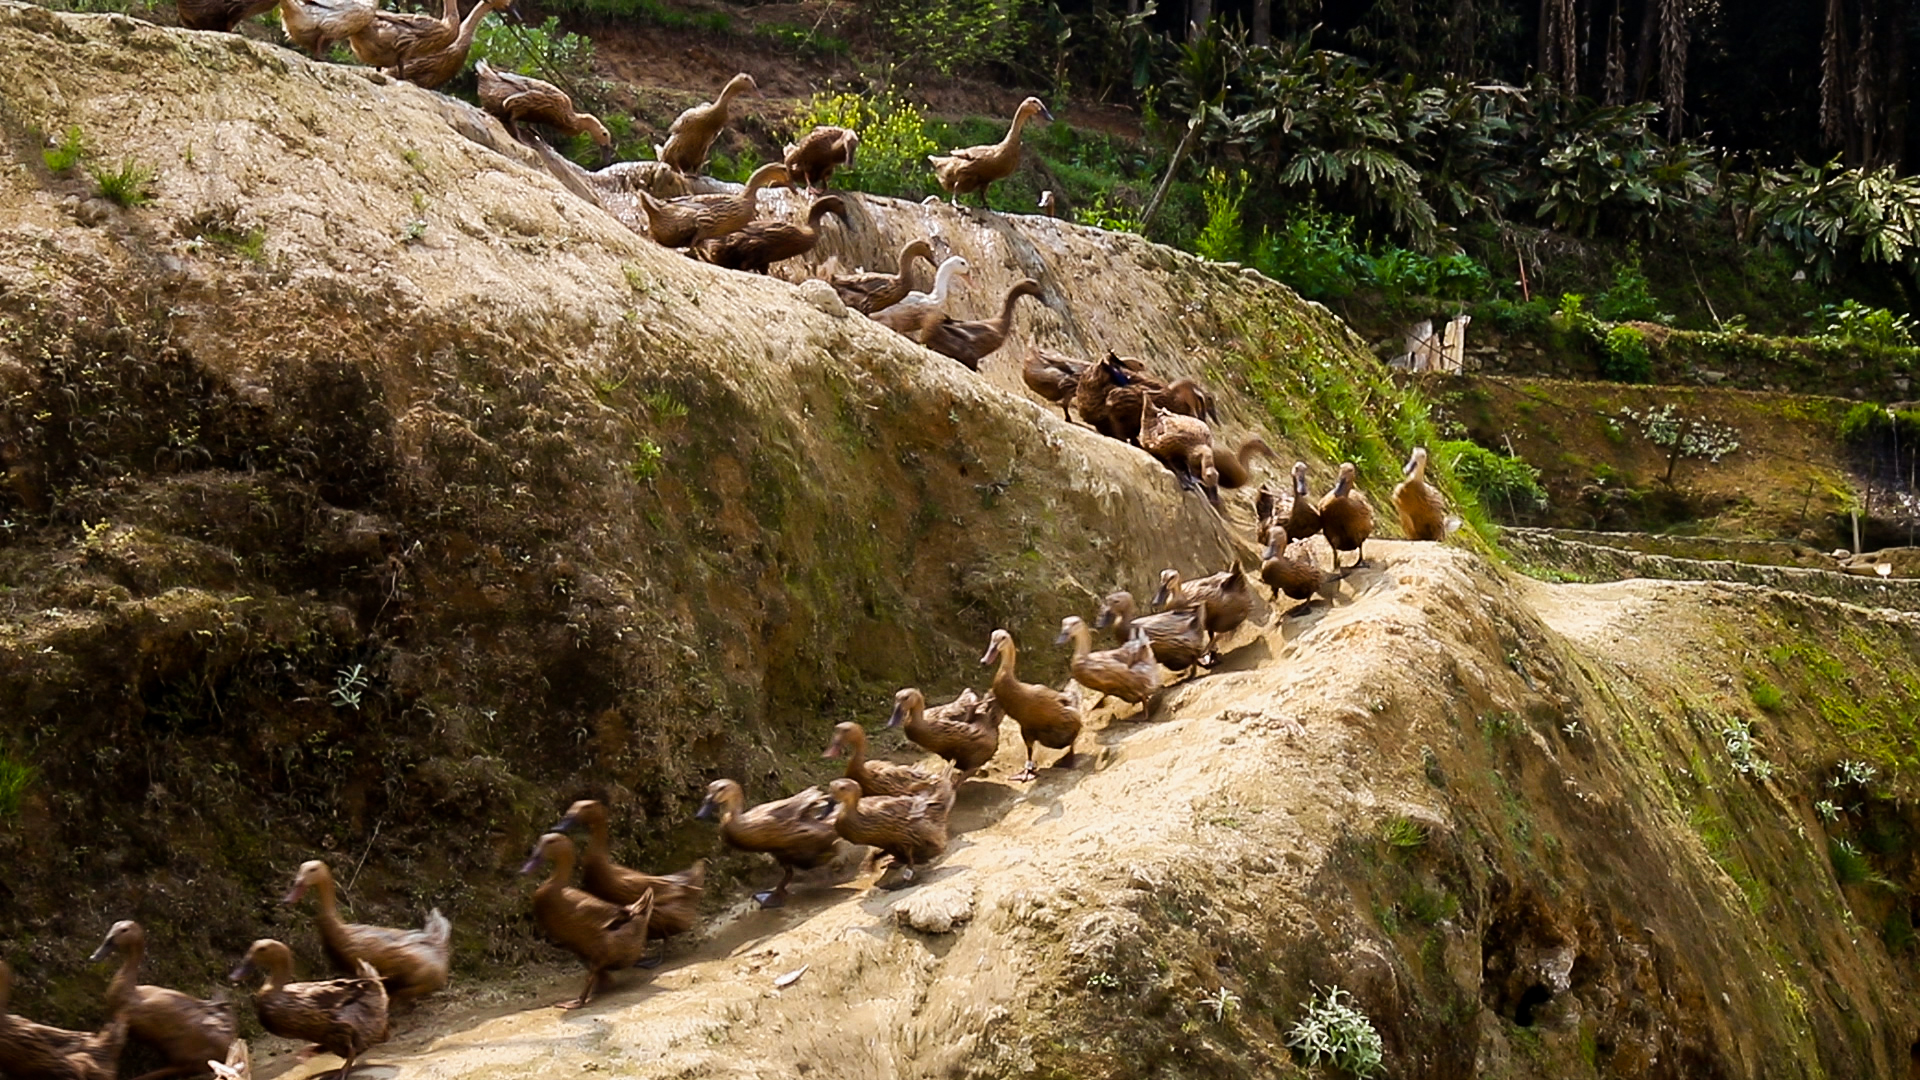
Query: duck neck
point(599, 840)
point(324, 897)
point(471, 24)
point(856, 744)
point(943, 281)
point(1419, 473)
point(277, 971)
point(1299, 486)
point(1009, 661)
point(561, 872)
point(6, 986)
point(1006, 308)
point(727, 93)
point(1083, 640)
point(1012, 141)
point(131, 955)
point(450, 12)
point(906, 257)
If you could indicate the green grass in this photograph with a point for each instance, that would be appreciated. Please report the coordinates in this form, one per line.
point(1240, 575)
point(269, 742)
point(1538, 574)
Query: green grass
point(129, 185)
point(66, 154)
point(1403, 832)
point(15, 778)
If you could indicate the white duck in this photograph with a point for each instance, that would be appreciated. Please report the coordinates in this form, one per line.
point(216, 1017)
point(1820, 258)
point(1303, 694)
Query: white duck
point(905, 317)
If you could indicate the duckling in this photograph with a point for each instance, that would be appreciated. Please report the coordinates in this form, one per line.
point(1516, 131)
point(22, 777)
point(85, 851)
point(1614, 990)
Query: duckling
point(793, 830)
point(1053, 376)
point(693, 131)
point(1225, 599)
point(907, 315)
point(414, 963)
point(1183, 444)
point(30, 1051)
point(965, 731)
point(1346, 517)
point(315, 25)
point(221, 15)
point(1423, 513)
point(823, 150)
point(760, 244)
point(343, 1016)
point(875, 777)
point(186, 1030)
point(911, 828)
point(973, 341)
point(974, 168)
point(1128, 672)
point(1301, 516)
point(676, 897)
point(691, 219)
point(607, 937)
point(870, 292)
point(514, 97)
point(1300, 578)
point(1045, 715)
point(1178, 636)
point(425, 51)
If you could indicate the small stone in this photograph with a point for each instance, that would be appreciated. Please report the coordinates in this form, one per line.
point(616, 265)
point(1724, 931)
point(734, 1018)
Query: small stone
point(821, 295)
point(936, 909)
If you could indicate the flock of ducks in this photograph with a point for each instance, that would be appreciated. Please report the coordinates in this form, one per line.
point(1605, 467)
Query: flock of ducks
point(611, 919)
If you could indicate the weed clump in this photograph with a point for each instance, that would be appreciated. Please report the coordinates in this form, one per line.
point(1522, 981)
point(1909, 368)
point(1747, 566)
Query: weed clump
point(129, 185)
point(1336, 1032)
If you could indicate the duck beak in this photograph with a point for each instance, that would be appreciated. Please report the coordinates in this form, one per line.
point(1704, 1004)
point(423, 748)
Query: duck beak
point(832, 750)
point(533, 864)
point(899, 716)
point(294, 894)
point(1159, 597)
point(1061, 638)
point(1047, 113)
point(1103, 620)
point(993, 653)
point(101, 952)
point(244, 971)
point(565, 823)
point(705, 813)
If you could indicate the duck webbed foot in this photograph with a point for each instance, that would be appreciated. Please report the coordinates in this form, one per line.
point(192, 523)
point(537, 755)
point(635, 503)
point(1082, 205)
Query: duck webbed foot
point(773, 899)
point(1025, 774)
point(654, 958)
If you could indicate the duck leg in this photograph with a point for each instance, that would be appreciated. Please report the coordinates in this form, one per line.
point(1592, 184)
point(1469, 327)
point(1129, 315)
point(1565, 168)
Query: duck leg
point(778, 897)
point(594, 976)
point(1030, 771)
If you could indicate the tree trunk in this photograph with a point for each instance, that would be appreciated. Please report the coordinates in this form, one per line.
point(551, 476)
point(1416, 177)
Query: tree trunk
point(1833, 76)
point(1262, 22)
point(1199, 18)
point(1673, 63)
point(1613, 85)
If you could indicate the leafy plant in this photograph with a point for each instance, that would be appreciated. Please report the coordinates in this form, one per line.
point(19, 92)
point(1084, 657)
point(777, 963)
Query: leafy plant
point(1851, 865)
point(348, 686)
point(1852, 774)
point(1851, 320)
point(1737, 733)
point(1335, 1031)
point(128, 185)
point(1107, 213)
point(1223, 1002)
point(1831, 216)
point(65, 154)
point(1222, 240)
point(892, 159)
point(1403, 832)
point(1630, 297)
point(1625, 356)
point(646, 462)
point(949, 35)
point(544, 51)
point(1683, 436)
point(1315, 252)
point(1498, 480)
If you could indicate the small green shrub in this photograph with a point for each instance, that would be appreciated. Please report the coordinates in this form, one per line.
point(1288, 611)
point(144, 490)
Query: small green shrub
point(1850, 864)
point(1737, 733)
point(1334, 1031)
point(1630, 297)
point(1766, 695)
point(1498, 480)
point(1315, 253)
point(646, 462)
point(807, 40)
point(544, 52)
point(1682, 436)
point(1625, 357)
point(1223, 238)
point(15, 778)
point(950, 35)
point(1851, 320)
point(1106, 213)
point(64, 155)
point(1403, 832)
point(129, 185)
point(892, 159)
point(1508, 317)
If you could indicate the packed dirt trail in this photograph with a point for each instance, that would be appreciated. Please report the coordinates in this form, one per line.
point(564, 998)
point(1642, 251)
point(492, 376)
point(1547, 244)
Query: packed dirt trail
point(1271, 734)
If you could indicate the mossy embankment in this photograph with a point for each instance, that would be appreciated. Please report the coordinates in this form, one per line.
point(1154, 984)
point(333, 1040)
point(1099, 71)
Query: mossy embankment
point(450, 500)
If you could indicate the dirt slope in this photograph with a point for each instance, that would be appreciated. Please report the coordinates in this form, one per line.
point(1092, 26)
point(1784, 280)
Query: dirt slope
point(372, 495)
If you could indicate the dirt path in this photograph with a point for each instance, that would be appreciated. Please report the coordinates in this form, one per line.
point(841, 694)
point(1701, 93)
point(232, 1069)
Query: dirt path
point(1029, 869)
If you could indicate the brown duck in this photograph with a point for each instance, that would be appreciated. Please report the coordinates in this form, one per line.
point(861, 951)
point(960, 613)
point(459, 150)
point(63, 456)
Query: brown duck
point(1233, 465)
point(909, 314)
point(1178, 636)
point(911, 828)
point(1110, 393)
point(1053, 376)
point(423, 50)
point(762, 243)
point(794, 830)
point(414, 963)
point(965, 731)
point(1225, 599)
point(315, 25)
point(514, 98)
point(222, 15)
point(676, 897)
point(691, 219)
point(607, 937)
point(342, 1016)
point(973, 341)
point(973, 168)
point(1128, 672)
point(1301, 516)
point(1298, 576)
point(824, 149)
point(188, 1031)
point(30, 1051)
point(1423, 513)
point(876, 777)
point(1183, 444)
point(1346, 518)
point(1045, 715)
point(871, 292)
point(693, 131)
